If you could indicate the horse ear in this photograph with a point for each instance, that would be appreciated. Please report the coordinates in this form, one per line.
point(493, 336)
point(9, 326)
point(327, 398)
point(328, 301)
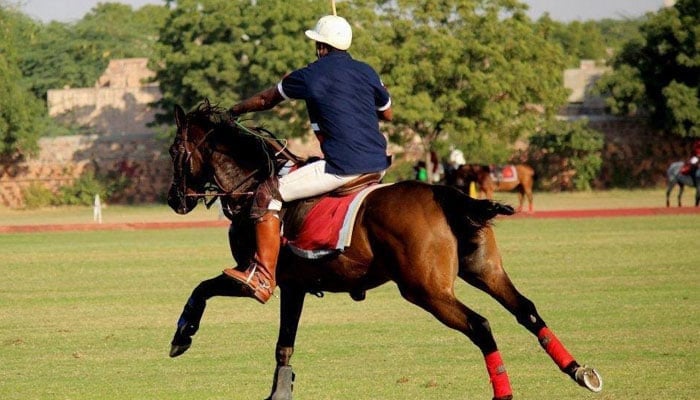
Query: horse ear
point(206, 102)
point(179, 115)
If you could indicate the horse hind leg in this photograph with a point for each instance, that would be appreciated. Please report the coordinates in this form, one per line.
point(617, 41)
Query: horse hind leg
point(492, 279)
point(451, 312)
point(526, 314)
point(530, 206)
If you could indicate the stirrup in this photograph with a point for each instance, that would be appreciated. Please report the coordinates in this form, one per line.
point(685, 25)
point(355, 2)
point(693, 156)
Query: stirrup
point(253, 268)
point(254, 282)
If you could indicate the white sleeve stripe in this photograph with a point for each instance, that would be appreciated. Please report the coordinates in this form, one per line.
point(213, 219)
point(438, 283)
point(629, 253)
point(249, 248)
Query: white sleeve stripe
point(385, 107)
point(279, 89)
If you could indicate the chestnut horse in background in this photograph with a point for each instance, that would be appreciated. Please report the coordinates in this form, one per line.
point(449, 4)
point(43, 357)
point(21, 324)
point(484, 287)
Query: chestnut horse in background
point(420, 236)
point(488, 180)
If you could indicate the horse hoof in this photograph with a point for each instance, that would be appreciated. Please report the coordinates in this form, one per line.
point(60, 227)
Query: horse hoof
point(283, 383)
point(182, 339)
point(589, 378)
point(358, 295)
point(176, 350)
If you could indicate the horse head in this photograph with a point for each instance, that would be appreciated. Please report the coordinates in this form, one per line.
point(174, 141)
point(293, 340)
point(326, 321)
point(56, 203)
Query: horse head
point(216, 157)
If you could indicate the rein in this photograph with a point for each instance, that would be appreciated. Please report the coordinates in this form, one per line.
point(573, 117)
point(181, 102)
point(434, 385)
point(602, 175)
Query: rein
point(218, 192)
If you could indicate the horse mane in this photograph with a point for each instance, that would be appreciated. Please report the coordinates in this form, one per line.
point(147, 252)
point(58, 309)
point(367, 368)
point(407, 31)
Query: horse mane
point(249, 144)
point(221, 120)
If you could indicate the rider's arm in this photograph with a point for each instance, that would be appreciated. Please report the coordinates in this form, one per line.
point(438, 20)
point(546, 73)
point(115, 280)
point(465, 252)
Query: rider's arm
point(264, 100)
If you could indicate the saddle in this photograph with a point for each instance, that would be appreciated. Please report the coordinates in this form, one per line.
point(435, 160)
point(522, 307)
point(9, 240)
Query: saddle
point(315, 225)
point(357, 184)
point(686, 169)
point(504, 173)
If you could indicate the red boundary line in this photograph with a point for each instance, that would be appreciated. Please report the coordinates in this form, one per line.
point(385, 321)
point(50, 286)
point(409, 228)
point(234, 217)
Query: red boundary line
point(597, 213)
point(613, 212)
point(127, 226)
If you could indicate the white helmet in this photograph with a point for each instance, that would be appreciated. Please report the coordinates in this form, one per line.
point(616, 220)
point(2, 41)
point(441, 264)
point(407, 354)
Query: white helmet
point(332, 30)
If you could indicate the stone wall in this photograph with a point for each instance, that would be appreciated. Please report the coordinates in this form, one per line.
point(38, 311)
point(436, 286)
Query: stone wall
point(120, 101)
point(118, 109)
point(635, 155)
point(140, 158)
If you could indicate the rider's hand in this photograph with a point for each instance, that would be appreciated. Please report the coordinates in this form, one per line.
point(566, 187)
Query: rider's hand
point(231, 116)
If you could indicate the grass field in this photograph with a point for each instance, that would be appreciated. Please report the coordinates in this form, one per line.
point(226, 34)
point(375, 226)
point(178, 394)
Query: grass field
point(89, 315)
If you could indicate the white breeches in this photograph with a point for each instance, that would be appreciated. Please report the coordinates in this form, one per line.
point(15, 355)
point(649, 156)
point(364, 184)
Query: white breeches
point(310, 180)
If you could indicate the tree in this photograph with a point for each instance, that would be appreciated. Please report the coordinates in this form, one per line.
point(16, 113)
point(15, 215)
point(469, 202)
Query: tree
point(475, 73)
point(21, 123)
point(659, 74)
point(226, 50)
point(566, 155)
point(579, 40)
point(617, 32)
point(75, 55)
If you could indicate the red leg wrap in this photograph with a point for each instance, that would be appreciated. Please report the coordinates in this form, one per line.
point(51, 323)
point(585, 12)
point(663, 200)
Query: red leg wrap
point(498, 375)
point(554, 348)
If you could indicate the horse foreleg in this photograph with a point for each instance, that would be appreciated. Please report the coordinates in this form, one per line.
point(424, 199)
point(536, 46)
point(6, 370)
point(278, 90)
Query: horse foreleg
point(680, 193)
point(188, 323)
point(291, 305)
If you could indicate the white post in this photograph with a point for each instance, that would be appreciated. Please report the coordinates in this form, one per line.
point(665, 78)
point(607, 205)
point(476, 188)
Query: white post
point(97, 210)
point(220, 207)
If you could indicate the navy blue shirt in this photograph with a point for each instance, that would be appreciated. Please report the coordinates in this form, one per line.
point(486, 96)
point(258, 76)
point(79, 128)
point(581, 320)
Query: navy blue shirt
point(342, 98)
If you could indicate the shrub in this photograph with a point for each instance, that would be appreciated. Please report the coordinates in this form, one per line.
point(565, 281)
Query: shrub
point(37, 195)
point(84, 189)
point(566, 155)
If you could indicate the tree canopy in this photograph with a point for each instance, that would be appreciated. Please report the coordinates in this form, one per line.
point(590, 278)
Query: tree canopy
point(75, 55)
point(659, 73)
point(22, 118)
point(476, 72)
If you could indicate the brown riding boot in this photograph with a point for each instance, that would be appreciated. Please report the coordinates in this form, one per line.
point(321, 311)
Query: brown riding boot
point(259, 277)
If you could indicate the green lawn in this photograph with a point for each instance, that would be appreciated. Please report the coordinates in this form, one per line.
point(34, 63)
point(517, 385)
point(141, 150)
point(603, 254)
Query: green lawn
point(89, 315)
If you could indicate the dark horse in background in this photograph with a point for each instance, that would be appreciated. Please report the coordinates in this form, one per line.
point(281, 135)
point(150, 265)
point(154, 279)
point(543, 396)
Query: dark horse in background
point(422, 245)
point(675, 177)
point(490, 179)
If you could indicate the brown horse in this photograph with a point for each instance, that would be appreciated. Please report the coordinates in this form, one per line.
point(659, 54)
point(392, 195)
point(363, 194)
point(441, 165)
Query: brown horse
point(489, 181)
point(422, 245)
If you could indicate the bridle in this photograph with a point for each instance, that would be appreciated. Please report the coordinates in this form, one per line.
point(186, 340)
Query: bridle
point(211, 189)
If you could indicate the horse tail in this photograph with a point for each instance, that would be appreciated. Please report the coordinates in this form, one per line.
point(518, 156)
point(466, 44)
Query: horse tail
point(460, 208)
